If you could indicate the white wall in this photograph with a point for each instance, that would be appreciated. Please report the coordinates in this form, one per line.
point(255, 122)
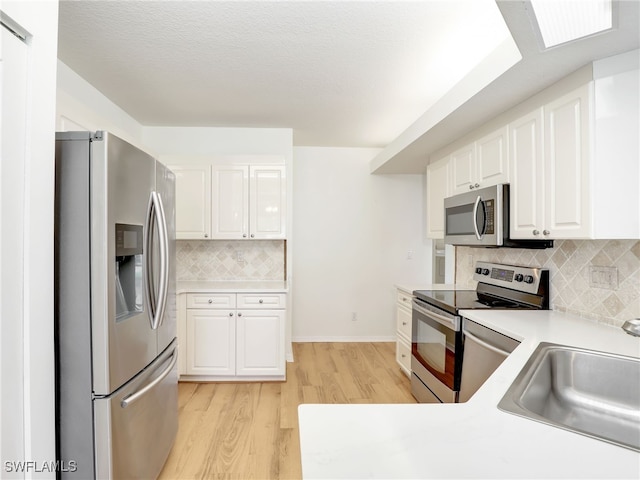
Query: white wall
point(353, 231)
point(32, 430)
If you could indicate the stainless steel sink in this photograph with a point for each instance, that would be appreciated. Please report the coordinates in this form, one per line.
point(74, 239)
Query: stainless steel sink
point(588, 392)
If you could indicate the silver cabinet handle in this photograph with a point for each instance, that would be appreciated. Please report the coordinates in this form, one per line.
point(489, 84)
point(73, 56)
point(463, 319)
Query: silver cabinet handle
point(231, 314)
point(546, 232)
point(536, 232)
point(404, 323)
point(206, 235)
point(244, 235)
point(470, 187)
point(128, 400)
point(210, 301)
point(239, 314)
point(252, 235)
point(477, 185)
point(260, 301)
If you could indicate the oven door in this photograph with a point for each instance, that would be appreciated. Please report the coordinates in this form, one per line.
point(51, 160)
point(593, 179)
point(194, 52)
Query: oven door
point(475, 218)
point(436, 344)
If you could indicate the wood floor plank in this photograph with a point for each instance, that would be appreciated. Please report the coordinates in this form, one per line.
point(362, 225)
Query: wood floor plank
point(244, 431)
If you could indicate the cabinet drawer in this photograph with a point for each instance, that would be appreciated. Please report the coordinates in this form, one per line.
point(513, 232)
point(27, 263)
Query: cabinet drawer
point(211, 300)
point(404, 299)
point(403, 355)
point(403, 321)
point(262, 300)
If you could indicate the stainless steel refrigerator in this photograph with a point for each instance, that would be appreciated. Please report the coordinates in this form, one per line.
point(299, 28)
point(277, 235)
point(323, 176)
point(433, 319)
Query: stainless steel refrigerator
point(116, 348)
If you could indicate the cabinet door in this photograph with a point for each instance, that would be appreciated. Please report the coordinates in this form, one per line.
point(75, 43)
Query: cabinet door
point(527, 182)
point(567, 208)
point(403, 321)
point(260, 342)
point(492, 165)
point(230, 202)
point(211, 339)
point(193, 202)
point(267, 202)
point(463, 169)
point(437, 191)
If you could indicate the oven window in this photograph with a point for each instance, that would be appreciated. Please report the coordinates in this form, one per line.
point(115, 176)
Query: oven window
point(459, 220)
point(434, 346)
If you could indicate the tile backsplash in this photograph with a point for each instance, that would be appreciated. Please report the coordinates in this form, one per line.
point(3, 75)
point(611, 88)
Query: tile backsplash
point(222, 260)
point(579, 284)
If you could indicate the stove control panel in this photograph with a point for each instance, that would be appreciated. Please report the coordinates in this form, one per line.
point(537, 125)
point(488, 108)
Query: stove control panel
point(524, 279)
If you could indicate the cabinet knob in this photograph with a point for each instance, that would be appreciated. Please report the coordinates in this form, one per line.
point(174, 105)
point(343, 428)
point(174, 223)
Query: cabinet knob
point(470, 187)
point(536, 232)
point(477, 185)
point(546, 232)
point(239, 314)
point(404, 323)
point(210, 301)
point(244, 235)
point(260, 301)
point(404, 355)
point(206, 235)
point(231, 314)
point(252, 235)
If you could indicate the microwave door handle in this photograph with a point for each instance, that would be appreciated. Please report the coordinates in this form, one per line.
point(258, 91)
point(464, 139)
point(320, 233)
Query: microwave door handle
point(475, 216)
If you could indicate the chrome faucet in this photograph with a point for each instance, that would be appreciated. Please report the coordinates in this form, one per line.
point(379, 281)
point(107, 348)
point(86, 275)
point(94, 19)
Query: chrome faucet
point(632, 327)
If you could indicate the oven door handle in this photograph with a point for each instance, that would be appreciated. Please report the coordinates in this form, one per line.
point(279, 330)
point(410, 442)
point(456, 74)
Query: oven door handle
point(486, 345)
point(453, 323)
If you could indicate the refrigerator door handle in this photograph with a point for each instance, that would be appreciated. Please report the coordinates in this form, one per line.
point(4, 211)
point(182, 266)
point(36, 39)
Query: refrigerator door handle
point(157, 302)
point(129, 399)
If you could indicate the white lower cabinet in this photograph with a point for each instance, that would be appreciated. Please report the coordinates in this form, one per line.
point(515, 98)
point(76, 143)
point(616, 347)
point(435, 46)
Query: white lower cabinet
point(403, 330)
point(233, 336)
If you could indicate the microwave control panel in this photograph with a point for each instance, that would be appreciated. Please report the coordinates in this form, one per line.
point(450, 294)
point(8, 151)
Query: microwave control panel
point(489, 211)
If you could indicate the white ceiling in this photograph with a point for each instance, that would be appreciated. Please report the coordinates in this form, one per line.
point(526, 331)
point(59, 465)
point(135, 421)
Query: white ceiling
point(339, 73)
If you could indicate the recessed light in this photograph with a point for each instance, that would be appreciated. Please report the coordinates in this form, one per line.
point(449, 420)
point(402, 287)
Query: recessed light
point(562, 21)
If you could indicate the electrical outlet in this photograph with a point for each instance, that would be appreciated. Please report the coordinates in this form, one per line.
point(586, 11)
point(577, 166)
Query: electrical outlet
point(410, 255)
point(240, 256)
point(354, 316)
point(603, 277)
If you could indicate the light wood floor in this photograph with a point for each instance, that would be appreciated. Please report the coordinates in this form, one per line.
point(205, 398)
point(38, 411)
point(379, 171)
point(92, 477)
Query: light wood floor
point(250, 430)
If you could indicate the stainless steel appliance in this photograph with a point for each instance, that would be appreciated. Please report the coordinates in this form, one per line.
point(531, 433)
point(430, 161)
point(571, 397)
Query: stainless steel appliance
point(481, 218)
point(116, 348)
point(484, 351)
point(438, 342)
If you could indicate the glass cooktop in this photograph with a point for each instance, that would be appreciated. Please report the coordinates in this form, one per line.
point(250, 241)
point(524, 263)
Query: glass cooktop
point(454, 300)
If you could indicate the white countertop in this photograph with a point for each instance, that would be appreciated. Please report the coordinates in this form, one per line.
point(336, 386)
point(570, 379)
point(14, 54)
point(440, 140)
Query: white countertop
point(473, 439)
point(232, 286)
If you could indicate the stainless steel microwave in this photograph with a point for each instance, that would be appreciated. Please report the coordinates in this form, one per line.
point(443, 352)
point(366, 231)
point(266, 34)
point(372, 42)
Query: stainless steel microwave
point(481, 218)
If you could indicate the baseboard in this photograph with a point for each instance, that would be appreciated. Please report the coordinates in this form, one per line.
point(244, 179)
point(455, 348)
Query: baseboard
point(325, 339)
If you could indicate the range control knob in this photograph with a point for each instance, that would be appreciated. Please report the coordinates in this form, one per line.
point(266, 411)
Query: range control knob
point(519, 277)
point(485, 271)
point(478, 270)
point(528, 279)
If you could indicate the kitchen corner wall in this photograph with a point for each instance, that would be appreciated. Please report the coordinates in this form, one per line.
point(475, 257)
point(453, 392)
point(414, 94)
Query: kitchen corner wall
point(571, 264)
point(219, 260)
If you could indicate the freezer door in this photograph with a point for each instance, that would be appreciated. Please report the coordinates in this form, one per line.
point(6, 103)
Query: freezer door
point(136, 426)
point(165, 189)
point(123, 340)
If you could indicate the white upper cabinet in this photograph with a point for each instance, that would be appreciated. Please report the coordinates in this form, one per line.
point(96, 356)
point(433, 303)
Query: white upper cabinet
point(463, 169)
point(438, 186)
point(193, 201)
point(527, 182)
point(249, 202)
point(549, 157)
point(267, 197)
point(230, 202)
point(481, 164)
point(492, 160)
point(566, 166)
